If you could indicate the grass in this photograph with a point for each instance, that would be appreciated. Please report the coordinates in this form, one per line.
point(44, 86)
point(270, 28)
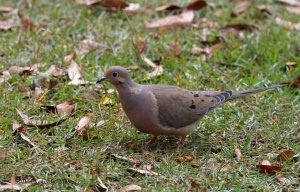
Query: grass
point(260, 126)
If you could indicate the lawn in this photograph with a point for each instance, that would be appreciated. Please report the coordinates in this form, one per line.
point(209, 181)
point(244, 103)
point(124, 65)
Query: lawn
point(225, 47)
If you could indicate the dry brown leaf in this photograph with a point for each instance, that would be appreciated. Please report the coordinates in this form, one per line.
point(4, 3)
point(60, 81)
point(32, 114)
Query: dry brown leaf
point(56, 71)
point(145, 172)
point(27, 23)
point(289, 2)
point(5, 9)
point(7, 24)
point(157, 72)
point(186, 158)
point(148, 61)
point(270, 169)
point(88, 2)
point(83, 125)
point(131, 188)
point(114, 4)
point(184, 19)
point(285, 155)
point(241, 7)
point(287, 24)
point(74, 71)
point(196, 5)
point(237, 153)
point(294, 10)
point(5, 77)
point(65, 108)
point(197, 186)
point(212, 165)
point(168, 7)
point(23, 136)
point(283, 180)
point(24, 117)
point(18, 128)
point(23, 70)
point(87, 46)
point(207, 51)
point(69, 58)
point(101, 184)
point(38, 94)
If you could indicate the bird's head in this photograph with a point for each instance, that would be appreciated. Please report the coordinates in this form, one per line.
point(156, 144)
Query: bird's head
point(116, 75)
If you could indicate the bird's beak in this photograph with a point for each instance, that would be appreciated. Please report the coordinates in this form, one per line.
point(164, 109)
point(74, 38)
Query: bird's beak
point(100, 80)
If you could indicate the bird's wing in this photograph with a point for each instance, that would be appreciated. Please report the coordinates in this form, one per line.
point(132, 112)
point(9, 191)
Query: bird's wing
point(178, 107)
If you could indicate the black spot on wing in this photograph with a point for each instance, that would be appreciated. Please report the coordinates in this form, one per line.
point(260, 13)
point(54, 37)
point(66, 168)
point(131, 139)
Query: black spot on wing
point(193, 106)
point(196, 95)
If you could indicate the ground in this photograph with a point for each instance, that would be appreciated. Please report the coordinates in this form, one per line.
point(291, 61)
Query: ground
point(260, 127)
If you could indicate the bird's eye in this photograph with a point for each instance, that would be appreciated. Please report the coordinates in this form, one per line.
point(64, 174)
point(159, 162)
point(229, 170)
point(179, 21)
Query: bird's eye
point(115, 74)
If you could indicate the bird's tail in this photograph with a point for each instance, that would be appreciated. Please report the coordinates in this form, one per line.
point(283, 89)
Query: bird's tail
point(240, 94)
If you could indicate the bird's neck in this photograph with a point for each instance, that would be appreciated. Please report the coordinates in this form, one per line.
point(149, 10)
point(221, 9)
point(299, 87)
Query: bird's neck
point(128, 88)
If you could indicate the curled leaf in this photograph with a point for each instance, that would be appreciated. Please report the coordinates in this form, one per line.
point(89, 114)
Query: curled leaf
point(285, 155)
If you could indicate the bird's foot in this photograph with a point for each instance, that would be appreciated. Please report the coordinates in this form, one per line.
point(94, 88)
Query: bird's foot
point(151, 142)
point(182, 142)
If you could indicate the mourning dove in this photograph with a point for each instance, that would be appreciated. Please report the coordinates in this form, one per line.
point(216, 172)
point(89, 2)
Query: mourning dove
point(166, 109)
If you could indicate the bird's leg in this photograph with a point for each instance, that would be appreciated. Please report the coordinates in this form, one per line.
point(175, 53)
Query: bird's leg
point(151, 141)
point(181, 141)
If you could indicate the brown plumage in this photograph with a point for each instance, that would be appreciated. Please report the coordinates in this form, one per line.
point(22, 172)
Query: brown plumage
point(167, 109)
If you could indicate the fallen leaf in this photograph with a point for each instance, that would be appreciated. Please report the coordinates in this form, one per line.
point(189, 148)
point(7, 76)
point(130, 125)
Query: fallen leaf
point(208, 51)
point(23, 136)
point(184, 19)
point(114, 4)
point(39, 123)
point(158, 69)
point(88, 2)
point(18, 128)
point(5, 77)
point(22, 70)
point(289, 2)
point(65, 108)
point(38, 93)
point(6, 9)
point(196, 5)
point(105, 100)
point(237, 153)
point(168, 7)
point(240, 7)
point(212, 165)
point(285, 155)
point(131, 188)
point(13, 185)
point(56, 71)
point(265, 162)
point(83, 125)
point(144, 172)
point(27, 23)
point(134, 7)
point(24, 117)
point(187, 158)
point(69, 58)
point(102, 186)
point(87, 46)
point(270, 169)
point(287, 24)
point(74, 71)
point(7, 24)
point(294, 10)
